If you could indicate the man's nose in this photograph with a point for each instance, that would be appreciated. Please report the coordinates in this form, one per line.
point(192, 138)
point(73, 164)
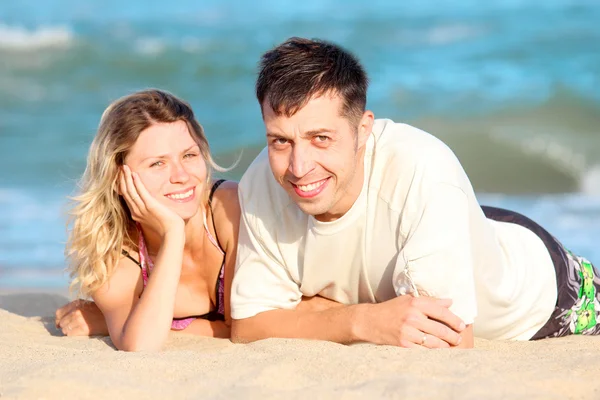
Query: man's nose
point(301, 161)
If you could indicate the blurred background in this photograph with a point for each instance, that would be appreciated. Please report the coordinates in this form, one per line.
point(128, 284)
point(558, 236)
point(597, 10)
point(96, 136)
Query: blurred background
point(513, 86)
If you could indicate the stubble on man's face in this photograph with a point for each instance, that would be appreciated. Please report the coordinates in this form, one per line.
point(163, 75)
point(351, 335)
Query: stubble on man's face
point(316, 150)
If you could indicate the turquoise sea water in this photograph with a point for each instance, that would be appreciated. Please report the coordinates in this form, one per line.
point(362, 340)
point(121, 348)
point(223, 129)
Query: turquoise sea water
point(511, 85)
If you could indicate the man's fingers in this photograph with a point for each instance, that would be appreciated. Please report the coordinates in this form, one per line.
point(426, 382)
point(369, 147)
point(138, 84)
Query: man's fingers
point(443, 302)
point(435, 309)
point(419, 338)
point(437, 331)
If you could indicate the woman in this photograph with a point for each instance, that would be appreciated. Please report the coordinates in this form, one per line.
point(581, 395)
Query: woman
point(153, 239)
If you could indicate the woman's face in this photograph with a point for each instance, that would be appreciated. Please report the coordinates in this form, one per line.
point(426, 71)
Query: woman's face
point(171, 167)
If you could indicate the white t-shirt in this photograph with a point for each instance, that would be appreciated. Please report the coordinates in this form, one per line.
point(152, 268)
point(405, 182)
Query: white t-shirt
point(416, 225)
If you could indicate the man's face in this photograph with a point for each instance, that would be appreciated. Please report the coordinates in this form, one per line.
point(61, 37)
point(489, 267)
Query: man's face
point(317, 155)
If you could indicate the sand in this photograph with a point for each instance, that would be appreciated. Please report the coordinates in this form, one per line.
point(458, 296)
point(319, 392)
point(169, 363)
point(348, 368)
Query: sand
point(37, 362)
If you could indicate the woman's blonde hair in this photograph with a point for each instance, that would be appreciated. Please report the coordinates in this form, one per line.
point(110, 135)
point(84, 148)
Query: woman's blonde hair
point(99, 218)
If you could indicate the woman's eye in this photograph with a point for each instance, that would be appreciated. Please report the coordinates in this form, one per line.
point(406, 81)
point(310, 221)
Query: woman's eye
point(190, 155)
point(156, 164)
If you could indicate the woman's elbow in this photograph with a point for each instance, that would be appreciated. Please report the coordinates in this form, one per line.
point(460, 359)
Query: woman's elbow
point(136, 345)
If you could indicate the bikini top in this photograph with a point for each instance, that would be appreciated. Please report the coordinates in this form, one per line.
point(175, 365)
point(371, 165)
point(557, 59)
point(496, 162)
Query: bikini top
point(146, 265)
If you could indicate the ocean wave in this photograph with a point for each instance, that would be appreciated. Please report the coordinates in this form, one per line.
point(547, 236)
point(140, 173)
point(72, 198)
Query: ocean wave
point(150, 46)
point(153, 46)
point(446, 34)
point(549, 147)
point(18, 38)
point(590, 183)
point(32, 227)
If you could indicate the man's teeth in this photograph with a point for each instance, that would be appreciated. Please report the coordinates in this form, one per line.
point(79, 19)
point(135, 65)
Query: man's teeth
point(180, 196)
point(311, 187)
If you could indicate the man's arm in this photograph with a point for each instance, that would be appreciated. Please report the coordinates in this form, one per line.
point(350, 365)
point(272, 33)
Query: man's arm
point(400, 321)
point(437, 259)
point(265, 297)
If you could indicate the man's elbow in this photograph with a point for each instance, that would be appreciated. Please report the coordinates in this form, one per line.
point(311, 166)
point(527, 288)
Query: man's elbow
point(241, 331)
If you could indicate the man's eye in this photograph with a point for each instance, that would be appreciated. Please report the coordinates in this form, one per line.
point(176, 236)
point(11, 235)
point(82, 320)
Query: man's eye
point(322, 138)
point(280, 141)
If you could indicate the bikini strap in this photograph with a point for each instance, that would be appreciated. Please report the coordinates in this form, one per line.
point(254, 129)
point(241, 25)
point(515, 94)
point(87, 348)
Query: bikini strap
point(214, 188)
point(126, 254)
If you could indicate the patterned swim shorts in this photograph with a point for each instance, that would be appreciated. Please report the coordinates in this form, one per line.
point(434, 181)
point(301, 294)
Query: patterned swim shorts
point(577, 309)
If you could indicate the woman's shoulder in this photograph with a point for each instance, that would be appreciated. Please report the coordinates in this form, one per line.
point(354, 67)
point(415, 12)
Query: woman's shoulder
point(226, 209)
point(225, 196)
point(124, 279)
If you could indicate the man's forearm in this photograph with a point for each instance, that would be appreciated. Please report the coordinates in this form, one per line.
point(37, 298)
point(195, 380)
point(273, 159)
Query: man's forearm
point(337, 324)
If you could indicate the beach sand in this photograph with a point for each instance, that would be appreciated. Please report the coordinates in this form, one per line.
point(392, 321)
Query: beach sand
point(37, 362)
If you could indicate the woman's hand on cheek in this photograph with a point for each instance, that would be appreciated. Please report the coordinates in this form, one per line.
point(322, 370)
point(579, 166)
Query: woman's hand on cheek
point(144, 208)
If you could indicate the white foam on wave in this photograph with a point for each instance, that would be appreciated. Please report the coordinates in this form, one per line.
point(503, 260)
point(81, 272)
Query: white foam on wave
point(153, 46)
point(19, 38)
point(150, 46)
point(446, 34)
point(590, 182)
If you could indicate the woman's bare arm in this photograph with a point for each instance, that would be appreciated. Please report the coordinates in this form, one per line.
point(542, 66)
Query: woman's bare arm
point(138, 318)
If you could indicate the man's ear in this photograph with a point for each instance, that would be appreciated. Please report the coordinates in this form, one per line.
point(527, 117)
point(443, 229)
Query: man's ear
point(365, 127)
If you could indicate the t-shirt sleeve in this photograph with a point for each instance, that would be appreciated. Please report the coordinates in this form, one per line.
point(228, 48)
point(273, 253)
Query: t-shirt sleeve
point(261, 281)
point(436, 257)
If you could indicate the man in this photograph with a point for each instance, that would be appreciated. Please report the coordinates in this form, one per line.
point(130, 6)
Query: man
point(381, 218)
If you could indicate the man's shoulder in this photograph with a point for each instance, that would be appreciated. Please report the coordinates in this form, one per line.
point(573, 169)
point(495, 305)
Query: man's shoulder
point(262, 199)
point(401, 137)
point(406, 147)
point(406, 157)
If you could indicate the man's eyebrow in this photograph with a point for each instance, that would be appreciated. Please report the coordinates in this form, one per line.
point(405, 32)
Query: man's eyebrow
point(317, 132)
point(313, 132)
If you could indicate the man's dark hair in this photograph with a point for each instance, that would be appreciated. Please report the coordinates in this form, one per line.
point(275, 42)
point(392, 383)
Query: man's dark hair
point(298, 69)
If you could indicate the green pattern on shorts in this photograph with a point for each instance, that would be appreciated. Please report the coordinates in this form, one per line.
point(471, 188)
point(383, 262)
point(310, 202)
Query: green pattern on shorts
point(584, 315)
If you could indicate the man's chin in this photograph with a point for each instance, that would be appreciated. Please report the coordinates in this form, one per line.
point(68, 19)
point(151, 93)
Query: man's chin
point(311, 208)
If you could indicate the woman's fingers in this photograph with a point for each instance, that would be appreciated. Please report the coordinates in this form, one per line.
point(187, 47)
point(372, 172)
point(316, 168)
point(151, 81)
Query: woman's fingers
point(66, 324)
point(64, 310)
point(131, 189)
point(128, 195)
point(74, 324)
point(140, 188)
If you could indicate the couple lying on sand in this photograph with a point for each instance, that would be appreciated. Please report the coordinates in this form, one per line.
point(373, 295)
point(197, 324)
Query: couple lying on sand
point(345, 228)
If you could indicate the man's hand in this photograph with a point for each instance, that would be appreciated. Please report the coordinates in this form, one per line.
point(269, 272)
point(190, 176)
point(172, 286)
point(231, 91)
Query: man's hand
point(409, 321)
point(405, 321)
